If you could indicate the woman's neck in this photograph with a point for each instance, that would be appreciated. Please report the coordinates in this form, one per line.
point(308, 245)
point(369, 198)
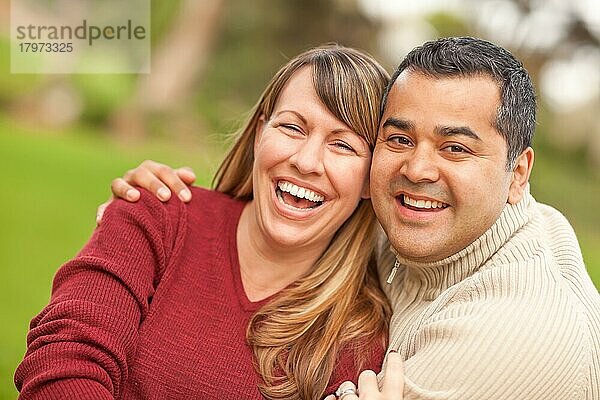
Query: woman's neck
point(267, 267)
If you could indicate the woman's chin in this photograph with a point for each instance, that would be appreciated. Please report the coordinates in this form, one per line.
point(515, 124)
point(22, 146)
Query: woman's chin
point(291, 238)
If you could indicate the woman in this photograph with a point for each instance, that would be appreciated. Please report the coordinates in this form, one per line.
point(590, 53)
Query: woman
point(267, 282)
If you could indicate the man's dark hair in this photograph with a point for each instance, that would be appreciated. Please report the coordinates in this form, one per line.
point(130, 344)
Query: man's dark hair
point(467, 56)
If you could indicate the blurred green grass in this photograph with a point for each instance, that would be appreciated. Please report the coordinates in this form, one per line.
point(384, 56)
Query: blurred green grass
point(53, 184)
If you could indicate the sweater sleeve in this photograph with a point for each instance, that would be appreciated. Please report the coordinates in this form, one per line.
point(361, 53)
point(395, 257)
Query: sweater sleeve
point(351, 362)
point(80, 344)
point(478, 346)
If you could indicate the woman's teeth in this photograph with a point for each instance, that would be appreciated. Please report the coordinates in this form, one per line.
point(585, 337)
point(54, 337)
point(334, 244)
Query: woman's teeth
point(426, 204)
point(296, 197)
point(299, 192)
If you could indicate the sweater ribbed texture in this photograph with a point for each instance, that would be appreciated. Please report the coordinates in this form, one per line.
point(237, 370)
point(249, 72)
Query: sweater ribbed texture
point(512, 316)
point(153, 307)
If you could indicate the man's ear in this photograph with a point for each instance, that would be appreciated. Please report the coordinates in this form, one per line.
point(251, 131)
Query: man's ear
point(520, 176)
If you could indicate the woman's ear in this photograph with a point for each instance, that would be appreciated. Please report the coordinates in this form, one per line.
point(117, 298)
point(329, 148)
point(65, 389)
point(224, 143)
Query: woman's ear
point(366, 191)
point(260, 126)
point(520, 176)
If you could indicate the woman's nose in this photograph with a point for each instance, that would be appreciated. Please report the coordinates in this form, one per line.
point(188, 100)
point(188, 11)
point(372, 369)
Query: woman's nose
point(308, 157)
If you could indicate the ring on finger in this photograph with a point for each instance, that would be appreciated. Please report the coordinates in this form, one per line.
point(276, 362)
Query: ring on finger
point(349, 392)
point(345, 392)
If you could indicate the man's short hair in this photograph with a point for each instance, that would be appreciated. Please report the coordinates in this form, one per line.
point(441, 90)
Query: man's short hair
point(467, 56)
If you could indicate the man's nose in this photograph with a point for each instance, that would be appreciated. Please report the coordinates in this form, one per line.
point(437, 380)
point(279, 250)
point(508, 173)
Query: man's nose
point(420, 165)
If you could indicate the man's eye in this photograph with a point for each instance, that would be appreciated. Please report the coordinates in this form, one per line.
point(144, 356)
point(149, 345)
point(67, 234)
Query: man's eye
point(398, 140)
point(456, 149)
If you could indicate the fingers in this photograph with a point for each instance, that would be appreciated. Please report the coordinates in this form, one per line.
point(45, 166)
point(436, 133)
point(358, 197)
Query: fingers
point(186, 174)
point(123, 190)
point(151, 176)
point(367, 383)
point(393, 383)
point(330, 397)
point(162, 180)
point(347, 391)
point(101, 208)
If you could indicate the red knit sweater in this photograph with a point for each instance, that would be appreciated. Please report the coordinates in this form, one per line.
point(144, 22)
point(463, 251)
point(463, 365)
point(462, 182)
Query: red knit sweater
point(153, 307)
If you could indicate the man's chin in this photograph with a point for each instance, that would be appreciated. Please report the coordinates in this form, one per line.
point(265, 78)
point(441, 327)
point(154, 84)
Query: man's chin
point(420, 250)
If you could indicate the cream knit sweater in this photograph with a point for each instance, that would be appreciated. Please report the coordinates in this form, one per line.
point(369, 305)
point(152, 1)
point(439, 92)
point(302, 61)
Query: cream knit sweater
point(512, 316)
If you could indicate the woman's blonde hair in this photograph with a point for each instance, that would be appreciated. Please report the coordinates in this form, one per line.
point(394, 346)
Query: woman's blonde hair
point(297, 336)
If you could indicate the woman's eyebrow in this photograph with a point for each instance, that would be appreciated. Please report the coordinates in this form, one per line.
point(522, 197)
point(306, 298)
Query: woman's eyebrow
point(296, 113)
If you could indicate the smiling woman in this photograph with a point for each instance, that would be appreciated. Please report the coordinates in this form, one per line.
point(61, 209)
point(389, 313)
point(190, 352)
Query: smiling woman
point(306, 148)
point(264, 287)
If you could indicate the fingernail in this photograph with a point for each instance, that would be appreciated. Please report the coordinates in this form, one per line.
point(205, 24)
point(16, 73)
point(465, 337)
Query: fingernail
point(130, 194)
point(163, 194)
point(188, 169)
point(393, 351)
point(185, 195)
point(99, 214)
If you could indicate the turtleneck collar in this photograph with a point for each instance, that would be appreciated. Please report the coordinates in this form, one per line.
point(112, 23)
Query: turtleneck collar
point(432, 278)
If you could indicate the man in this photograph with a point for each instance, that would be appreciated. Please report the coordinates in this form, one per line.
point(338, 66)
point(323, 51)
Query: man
point(490, 294)
point(491, 298)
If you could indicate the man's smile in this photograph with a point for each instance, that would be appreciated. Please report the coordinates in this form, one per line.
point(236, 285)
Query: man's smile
point(421, 204)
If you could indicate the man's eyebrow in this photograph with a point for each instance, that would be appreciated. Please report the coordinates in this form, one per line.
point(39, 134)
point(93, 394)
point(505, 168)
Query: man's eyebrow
point(456, 130)
point(406, 125)
point(399, 123)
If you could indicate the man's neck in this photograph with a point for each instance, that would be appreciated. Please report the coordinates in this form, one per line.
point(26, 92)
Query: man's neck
point(432, 278)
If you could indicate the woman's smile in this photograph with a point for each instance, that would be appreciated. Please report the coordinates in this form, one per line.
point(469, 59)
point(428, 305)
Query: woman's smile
point(298, 197)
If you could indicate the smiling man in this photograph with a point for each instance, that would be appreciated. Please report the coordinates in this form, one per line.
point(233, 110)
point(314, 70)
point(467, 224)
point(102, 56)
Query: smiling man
point(490, 293)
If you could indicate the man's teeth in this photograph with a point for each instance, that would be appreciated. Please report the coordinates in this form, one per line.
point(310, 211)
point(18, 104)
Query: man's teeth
point(423, 203)
point(299, 192)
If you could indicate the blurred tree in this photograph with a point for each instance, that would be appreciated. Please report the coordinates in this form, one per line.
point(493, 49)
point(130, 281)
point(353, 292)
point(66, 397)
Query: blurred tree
point(178, 61)
point(258, 37)
point(560, 42)
point(210, 61)
point(246, 42)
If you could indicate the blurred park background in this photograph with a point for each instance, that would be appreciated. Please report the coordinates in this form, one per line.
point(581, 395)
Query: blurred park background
point(63, 138)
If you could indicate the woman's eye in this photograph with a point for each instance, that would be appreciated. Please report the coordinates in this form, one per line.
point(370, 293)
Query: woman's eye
point(343, 145)
point(291, 127)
